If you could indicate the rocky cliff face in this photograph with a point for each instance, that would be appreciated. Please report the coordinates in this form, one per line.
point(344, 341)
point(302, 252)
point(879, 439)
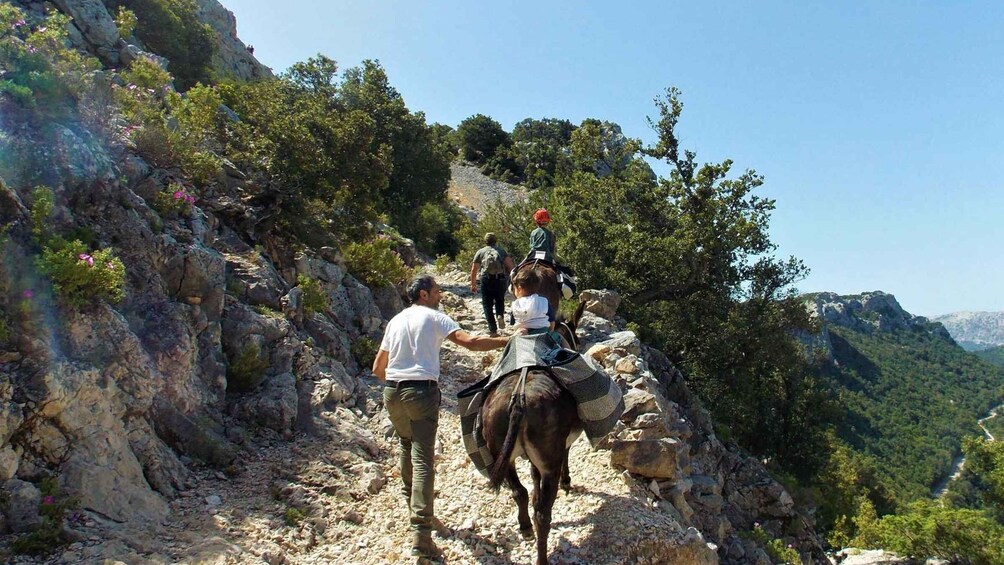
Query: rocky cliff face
point(866, 312)
point(232, 58)
point(93, 30)
point(974, 330)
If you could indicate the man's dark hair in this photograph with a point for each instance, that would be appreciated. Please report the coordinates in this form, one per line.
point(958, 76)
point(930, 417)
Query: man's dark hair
point(490, 238)
point(527, 279)
point(420, 283)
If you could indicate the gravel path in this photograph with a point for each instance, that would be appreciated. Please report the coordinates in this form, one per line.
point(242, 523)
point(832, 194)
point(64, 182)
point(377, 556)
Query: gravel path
point(474, 191)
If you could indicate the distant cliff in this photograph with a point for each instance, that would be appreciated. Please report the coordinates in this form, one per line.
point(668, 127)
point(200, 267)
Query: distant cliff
point(974, 330)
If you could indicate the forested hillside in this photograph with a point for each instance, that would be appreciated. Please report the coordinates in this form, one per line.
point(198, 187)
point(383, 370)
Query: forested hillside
point(993, 355)
point(908, 399)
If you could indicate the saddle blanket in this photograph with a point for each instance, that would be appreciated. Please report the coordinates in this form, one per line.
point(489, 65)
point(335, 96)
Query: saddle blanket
point(596, 395)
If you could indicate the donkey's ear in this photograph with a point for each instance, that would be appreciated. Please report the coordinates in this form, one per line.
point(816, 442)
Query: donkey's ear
point(578, 314)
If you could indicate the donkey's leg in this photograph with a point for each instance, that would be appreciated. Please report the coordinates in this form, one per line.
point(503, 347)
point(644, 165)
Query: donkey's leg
point(519, 494)
point(535, 474)
point(542, 512)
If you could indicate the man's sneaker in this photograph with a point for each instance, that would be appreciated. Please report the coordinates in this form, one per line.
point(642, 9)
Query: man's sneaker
point(493, 334)
point(500, 321)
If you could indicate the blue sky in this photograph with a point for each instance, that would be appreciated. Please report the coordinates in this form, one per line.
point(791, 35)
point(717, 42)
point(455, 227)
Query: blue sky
point(878, 125)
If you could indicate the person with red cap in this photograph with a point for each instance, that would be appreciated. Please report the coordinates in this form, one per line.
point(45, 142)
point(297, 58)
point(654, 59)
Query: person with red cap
point(541, 239)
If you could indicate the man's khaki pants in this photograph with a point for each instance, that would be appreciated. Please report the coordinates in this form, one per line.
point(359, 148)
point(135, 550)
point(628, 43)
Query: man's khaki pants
point(414, 412)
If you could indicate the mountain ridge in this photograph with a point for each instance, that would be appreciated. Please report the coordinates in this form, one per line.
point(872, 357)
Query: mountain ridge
point(974, 330)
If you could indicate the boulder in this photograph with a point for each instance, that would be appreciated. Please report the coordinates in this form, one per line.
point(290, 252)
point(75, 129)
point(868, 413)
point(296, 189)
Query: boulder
point(93, 21)
point(19, 503)
point(658, 458)
point(603, 303)
point(273, 406)
point(624, 341)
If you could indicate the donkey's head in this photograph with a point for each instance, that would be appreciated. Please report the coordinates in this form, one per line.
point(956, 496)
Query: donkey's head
point(566, 326)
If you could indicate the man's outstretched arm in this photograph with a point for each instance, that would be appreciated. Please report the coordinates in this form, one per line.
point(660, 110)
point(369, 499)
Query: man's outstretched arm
point(477, 342)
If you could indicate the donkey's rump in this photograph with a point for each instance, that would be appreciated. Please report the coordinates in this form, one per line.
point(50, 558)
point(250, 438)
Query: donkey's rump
point(597, 397)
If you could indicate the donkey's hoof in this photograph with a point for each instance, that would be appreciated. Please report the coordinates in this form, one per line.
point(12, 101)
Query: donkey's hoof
point(566, 486)
point(527, 534)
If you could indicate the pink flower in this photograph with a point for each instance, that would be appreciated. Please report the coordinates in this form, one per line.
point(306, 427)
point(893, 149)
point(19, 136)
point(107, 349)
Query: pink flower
point(31, 49)
point(86, 259)
point(27, 294)
point(19, 23)
point(42, 29)
point(132, 87)
point(756, 524)
point(190, 199)
point(49, 500)
point(110, 265)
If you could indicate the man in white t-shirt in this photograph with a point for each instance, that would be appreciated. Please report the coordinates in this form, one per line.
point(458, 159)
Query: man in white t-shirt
point(409, 362)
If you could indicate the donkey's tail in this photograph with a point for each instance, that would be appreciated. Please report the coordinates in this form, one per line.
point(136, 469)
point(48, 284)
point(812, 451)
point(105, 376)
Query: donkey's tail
point(500, 466)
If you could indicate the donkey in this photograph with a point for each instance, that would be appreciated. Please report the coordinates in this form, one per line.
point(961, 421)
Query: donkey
point(539, 422)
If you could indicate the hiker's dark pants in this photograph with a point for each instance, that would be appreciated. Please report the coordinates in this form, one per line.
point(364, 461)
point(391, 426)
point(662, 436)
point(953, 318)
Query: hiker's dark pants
point(413, 408)
point(493, 299)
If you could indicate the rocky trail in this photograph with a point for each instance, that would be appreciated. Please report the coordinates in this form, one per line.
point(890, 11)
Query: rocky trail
point(332, 496)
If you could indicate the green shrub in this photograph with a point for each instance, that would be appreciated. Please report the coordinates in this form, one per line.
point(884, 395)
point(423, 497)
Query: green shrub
point(479, 137)
point(928, 530)
point(125, 21)
point(776, 548)
point(5, 332)
point(294, 516)
point(375, 263)
point(268, 312)
point(246, 369)
point(168, 129)
point(80, 276)
point(314, 297)
point(364, 351)
point(442, 263)
point(41, 209)
point(434, 229)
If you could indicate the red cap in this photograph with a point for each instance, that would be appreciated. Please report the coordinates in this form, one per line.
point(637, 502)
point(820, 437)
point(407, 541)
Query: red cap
point(541, 216)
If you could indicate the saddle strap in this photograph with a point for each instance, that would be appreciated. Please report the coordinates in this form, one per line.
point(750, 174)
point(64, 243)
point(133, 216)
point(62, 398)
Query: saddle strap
point(518, 397)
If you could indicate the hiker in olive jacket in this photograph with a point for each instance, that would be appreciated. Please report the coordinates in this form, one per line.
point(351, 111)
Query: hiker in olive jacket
point(541, 238)
point(493, 264)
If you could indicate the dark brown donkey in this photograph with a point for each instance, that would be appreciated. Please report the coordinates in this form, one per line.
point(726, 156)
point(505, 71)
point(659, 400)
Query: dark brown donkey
point(539, 424)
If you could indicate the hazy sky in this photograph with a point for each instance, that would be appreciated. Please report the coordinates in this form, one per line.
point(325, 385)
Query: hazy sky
point(878, 125)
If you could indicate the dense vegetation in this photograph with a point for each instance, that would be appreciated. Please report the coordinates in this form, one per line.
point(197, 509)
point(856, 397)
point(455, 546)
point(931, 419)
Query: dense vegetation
point(909, 399)
point(993, 355)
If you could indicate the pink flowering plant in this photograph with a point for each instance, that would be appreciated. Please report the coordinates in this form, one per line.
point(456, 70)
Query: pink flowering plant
point(48, 536)
point(81, 276)
point(175, 200)
point(40, 72)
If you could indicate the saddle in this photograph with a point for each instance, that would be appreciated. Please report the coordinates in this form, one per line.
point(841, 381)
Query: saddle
point(566, 276)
